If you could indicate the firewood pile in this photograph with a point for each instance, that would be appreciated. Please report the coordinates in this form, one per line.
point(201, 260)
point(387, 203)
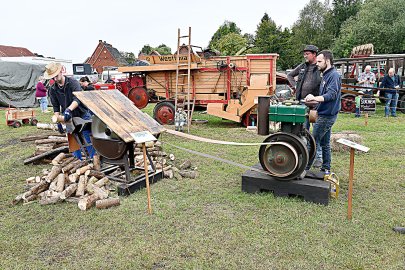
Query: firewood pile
point(47, 147)
point(84, 183)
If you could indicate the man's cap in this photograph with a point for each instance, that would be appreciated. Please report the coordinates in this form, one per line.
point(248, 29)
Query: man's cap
point(360, 92)
point(311, 48)
point(52, 69)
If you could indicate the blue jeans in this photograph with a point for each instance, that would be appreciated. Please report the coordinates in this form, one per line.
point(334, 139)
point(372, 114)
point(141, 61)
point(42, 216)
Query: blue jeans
point(318, 156)
point(322, 131)
point(357, 112)
point(86, 135)
point(391, 101)
point(43, 103)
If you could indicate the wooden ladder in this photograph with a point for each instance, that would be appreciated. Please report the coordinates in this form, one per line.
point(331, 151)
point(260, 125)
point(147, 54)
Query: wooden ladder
point(182, 98)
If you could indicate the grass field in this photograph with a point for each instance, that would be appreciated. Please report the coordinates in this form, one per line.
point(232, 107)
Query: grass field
point(208, 222)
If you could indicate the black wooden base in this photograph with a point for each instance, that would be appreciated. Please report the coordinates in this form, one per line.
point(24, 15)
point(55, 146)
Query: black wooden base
point(125, 189)
point(311, 190)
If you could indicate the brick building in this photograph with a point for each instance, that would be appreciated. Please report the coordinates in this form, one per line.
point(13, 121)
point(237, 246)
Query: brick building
point(105, 55)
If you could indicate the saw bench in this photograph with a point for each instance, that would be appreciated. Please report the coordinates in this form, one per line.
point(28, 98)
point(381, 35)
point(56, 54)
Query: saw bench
point(115, 118)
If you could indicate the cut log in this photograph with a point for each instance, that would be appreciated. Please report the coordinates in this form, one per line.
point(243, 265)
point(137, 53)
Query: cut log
point(87, 202)
point(38, 188)
point(54, 140)
point(78, 165)
point(30, 180)
point(172, 157)
point(31, 198)
point(55, 171)
point(94, 173)
point(81, 186)
point(58, 150)
point(106, 203)
point(68, 191)
point(189, 174)
point(33, 138)
point(90, 183)
point(73, 178)
point(96, 162)
point(67, 161)
point(74, 200)
point(49, 197)
point(60, 182)
point(176, 174)
point(58, 159)
point(47, 126)
point(185, 165)
point(103, 181)
point(83, 169)
point(69, 167)
point(57, 145)
point(168, 174)
point(101, 192)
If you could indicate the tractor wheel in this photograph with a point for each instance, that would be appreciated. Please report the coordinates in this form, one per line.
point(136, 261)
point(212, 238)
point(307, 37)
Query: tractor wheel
point(348, 103)
point(17, 124)
point(164, 113)
point(25, 121)
point(139, 97)
point(401, 104)
point(34, 122)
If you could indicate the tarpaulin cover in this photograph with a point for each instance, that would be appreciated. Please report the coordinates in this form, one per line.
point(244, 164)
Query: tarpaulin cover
point(17, 83)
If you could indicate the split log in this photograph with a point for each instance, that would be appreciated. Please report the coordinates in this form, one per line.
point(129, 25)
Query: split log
point(103, 181)
point(58, 159)
point(60, 182)
point(73, 178)
point(82, 170)
point(106, 203)
point(33, 138)
point(54, 140)
point(101, 192)
point(55, 171)
point(96, 162)
point(94, 173)
point(90, 183)
point(68, 191)
point(30, 198)
point(77, 166)
point(81, 186)
point(50, 197)
point(87, 202)
point(74, 200)
point(185, 165)
point(69, 167)
point(48, 153)
point(189, 174)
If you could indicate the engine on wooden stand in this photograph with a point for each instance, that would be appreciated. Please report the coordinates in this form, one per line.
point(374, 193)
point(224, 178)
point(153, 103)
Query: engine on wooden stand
point(285, 156)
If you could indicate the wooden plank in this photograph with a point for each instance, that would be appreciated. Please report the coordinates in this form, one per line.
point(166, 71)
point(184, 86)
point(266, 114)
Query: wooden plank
point(48, 153)
point(119, 113)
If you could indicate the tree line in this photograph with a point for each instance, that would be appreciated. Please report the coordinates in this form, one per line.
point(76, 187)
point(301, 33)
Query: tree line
point(338, 25)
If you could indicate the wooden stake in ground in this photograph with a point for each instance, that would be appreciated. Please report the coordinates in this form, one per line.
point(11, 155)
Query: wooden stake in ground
point(353, 146)
point(145, 164)
point(366, 119)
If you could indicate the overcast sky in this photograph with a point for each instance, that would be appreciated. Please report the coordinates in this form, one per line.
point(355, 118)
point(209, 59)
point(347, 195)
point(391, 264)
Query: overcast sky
point(71, 29)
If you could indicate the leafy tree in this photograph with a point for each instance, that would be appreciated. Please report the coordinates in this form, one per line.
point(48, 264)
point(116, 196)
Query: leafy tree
point(147, 49)
point(231, 43)
point(226, 28)
point(310, 27)
point(380, 22)
point(163, 49)
point(129, 56)
point(340, 12)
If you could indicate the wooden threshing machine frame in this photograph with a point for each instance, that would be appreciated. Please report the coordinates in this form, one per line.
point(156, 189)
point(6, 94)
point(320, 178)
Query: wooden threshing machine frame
point(226, 85)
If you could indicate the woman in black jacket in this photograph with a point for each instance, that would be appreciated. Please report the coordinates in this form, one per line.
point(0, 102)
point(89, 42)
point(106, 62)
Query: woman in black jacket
point(86, 84)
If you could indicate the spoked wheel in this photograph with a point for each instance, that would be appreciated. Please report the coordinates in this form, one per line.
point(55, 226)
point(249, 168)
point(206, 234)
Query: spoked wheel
point(164, 113)
point(348, 103)
point(139, 97)
point(287, 158)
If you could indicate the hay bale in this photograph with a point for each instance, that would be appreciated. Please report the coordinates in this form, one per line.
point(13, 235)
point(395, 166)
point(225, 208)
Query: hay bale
point(348, 135)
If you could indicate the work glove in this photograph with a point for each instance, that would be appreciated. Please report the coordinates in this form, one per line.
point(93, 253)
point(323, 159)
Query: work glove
point(67, 115)
point(60, 128)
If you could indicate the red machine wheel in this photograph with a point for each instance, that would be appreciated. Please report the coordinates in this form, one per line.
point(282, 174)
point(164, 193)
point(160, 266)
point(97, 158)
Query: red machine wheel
point(17, 124)
point(139, 97)
point(164, 113)
point(25, 121)
point(34, 122)
point(348, 103)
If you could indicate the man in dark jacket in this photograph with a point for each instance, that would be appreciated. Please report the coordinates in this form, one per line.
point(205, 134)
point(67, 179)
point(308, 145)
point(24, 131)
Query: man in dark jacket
point(63, 101)
point(328, 108)
point(393, 82)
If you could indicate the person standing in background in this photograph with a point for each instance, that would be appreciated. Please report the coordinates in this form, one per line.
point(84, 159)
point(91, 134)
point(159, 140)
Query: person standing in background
point(41, 94)
point(367, 79)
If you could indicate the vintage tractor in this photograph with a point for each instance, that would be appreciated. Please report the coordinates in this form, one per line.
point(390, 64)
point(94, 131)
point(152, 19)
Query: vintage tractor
point(287, 156)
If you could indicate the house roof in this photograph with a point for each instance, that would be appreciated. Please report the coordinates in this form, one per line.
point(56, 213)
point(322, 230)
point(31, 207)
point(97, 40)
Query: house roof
point(10, 51)
point(116, 54)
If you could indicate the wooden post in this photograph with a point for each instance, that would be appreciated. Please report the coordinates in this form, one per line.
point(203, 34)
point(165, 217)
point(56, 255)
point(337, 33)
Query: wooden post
point(351, 174)
point(366, 119)
point(146, 177)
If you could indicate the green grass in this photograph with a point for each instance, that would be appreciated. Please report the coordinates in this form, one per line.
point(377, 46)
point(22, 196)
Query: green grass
point(208, 222)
